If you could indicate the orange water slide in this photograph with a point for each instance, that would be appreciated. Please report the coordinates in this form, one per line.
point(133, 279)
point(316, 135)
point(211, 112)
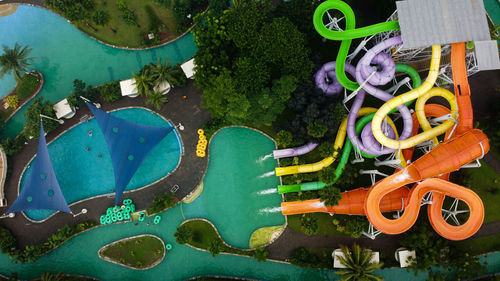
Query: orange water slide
point(462, 88)
point(444, 158)
point(352, 203)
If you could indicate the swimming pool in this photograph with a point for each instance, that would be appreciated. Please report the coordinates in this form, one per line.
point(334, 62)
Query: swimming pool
point(62, 53)
point(83, 174)
point(236, 197)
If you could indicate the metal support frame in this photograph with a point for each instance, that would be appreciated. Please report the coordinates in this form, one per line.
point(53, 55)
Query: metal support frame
point(372, 174)
point(452, 212)
point(372, 232)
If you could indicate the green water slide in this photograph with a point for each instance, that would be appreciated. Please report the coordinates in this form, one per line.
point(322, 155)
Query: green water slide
point(346, 153)
point(346, 36)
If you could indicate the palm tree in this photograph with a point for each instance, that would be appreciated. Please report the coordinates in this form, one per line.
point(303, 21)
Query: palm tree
point(164, 72)
point(143, 82)
point(358, 264)
point(48, 276)
point(156, 99)
point(14, 60)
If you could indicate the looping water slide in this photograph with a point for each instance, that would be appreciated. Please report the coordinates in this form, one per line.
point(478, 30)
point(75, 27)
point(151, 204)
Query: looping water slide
point(427, 174)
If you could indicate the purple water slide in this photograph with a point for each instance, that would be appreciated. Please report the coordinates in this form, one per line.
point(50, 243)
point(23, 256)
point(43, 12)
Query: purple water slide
point(295, 151)
point(327, 81)
point(365, 70)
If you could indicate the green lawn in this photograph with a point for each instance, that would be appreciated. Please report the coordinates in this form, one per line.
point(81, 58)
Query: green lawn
point(263, 235)
point(139, 252)
point(27, 86)
point(203, 233)
point(129, 35)
point(325, 223)
point(486, 183)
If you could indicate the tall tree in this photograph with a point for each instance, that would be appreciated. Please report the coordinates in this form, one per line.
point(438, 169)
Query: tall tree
point(165, 72)
point(14, 60)
point(156, 99)
point(358, 264)
point(143, 83)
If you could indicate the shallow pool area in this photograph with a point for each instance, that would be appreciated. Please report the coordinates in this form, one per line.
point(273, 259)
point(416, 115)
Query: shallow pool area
point(62, 54)
point(235, 197)
point(83, 174)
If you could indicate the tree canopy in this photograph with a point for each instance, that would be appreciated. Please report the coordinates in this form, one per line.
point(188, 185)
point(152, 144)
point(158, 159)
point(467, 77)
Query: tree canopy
point(249, 62)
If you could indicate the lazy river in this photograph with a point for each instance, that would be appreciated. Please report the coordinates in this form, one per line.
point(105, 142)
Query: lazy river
point(62, 54)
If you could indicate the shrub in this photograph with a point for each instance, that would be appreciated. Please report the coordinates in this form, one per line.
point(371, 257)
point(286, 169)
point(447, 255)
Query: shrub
point(29, 83)
point(326, 149)
point(309, 224)
point(100, 17)
point(110, 91)
point(218, 6)
point(7, 240)
point(261, 254)
point(162, 202)
point(284, 139)
point(13, 101)
point(130, 17)
point(183, 235)
point(32, 125)
point(12, 146)
point(216, 246)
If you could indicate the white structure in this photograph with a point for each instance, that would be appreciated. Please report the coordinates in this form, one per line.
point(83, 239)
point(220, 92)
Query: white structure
point(338, 252)
point(129, 88)
point(64, 110)
point(188, 68)
point(3, 175)
point(163, 87)
point(402, 255)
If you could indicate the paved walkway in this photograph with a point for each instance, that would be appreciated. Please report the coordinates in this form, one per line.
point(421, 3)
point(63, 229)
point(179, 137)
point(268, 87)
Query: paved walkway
point(188, 175)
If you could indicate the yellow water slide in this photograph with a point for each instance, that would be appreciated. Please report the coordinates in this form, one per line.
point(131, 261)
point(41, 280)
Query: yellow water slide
point(422, 94)
point(338, 144)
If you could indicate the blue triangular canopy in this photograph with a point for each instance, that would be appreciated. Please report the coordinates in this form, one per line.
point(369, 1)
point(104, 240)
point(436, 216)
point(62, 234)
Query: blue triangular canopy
point(42, 190)
point(128, 143)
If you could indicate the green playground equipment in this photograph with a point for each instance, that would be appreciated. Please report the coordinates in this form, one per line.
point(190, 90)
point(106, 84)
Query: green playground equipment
point(157, 219)
point(142, 216)
point(116, 213)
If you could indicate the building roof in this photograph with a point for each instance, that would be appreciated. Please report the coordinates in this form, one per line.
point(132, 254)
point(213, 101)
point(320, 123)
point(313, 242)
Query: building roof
point(128, 88)
point(431, 22)
point(487, 55)
point(188, 68)
point(63, 109)
point(41, 191)
point(128, 143)
point(338, 264)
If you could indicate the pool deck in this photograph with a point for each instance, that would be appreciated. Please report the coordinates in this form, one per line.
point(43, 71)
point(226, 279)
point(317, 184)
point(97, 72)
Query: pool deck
point(187, 176)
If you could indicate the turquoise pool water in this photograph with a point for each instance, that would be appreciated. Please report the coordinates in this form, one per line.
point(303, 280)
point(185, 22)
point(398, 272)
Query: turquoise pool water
point(62, 53)
point(236, 178)
point(79, 255)
point(82, 174)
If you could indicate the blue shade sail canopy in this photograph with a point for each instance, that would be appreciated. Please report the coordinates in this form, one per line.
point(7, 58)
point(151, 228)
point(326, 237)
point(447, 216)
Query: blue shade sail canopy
point(129, 144)
point(42, 191)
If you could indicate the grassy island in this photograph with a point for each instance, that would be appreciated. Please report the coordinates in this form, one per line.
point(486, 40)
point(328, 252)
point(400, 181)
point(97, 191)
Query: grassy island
point(138, 252)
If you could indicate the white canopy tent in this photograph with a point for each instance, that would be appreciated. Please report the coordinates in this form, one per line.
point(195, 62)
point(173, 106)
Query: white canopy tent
point(163, 86)
point(128, 88)
point(64, 110)
point(403, 256)
point(188, 68)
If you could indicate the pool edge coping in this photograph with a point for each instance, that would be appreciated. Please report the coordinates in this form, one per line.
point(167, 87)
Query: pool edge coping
point(208, 163)
point(107, 194)
point(101, 256)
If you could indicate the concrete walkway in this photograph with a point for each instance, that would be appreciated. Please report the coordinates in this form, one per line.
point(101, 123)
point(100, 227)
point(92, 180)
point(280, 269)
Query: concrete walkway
point(187, 176)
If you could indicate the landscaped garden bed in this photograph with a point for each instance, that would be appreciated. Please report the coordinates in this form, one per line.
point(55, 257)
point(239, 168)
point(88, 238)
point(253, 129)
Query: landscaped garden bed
point(138, 252)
